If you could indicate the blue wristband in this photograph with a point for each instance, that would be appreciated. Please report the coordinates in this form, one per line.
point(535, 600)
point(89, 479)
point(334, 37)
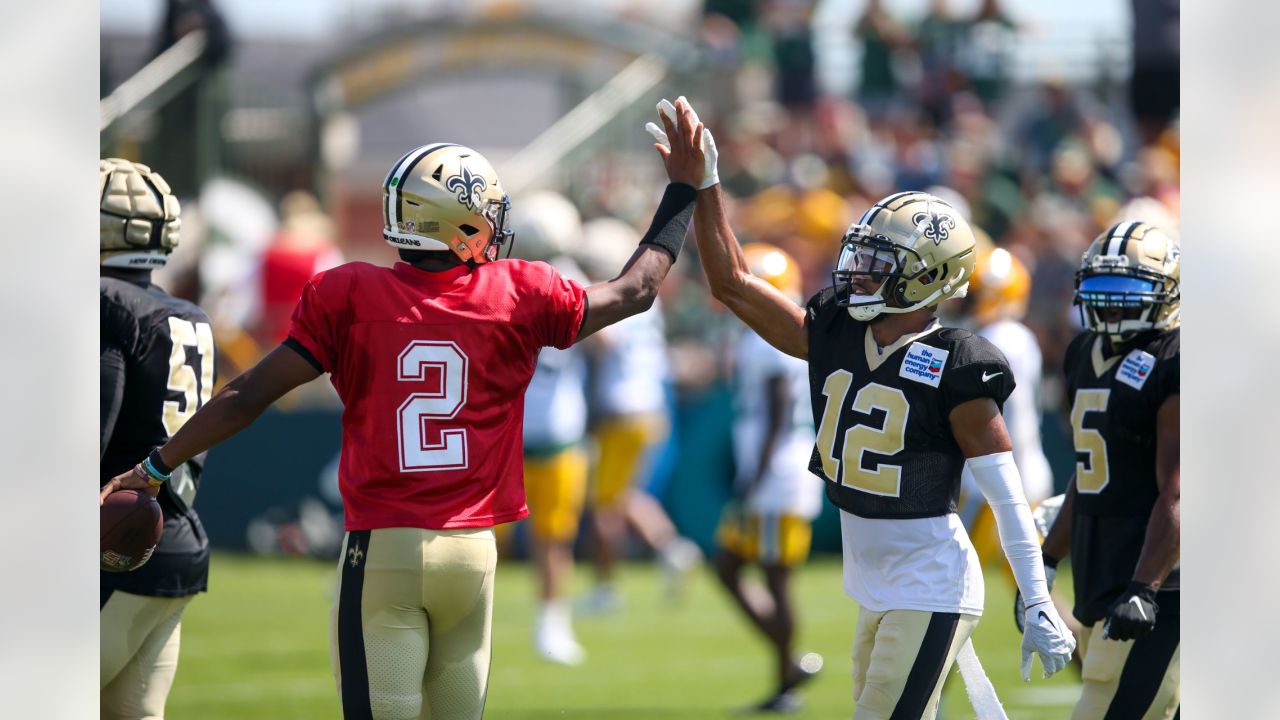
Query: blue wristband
point(156, 477)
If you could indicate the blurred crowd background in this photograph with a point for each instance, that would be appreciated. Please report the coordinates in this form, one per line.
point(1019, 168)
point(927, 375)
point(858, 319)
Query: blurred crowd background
point(275, 123)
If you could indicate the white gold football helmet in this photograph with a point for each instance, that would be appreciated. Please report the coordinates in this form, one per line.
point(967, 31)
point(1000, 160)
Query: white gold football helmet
point(916, 249)
point(445, 197)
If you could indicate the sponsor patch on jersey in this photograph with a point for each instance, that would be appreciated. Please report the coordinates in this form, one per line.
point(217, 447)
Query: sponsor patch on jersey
point(923, 364)
point(1136, 368)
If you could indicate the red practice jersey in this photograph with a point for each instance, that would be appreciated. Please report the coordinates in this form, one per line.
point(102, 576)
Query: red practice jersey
point(432, 369)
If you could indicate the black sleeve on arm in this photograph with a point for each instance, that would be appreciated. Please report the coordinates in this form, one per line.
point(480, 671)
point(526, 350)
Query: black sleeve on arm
point(671, 219)
point(299, 348)
point(111, 390)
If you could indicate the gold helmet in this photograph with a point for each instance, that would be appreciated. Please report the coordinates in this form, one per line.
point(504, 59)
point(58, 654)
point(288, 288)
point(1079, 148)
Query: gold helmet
point(916, 249)
point(1135, 268)
point(774, 266)
point(445, 197)
point(137, 216)
point(1000, 288)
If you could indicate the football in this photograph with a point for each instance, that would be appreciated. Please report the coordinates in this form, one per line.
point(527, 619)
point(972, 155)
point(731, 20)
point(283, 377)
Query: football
point(131, 525)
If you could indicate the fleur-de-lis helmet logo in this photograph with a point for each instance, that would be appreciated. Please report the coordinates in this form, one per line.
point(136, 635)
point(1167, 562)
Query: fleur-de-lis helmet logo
point(467, 188)
point(938, 227)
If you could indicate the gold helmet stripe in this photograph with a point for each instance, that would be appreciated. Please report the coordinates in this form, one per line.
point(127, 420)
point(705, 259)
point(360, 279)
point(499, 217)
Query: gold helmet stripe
point(395, 178)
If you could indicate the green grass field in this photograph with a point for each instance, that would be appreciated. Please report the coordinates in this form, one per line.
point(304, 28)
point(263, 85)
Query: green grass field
point(256, 647)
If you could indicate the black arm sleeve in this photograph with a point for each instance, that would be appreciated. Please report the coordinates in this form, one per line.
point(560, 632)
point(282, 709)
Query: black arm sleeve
point(671, 219)
point(111, 390)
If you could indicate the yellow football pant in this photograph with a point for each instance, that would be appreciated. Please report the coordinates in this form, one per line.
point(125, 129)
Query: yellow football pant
point(556, 488)
point(901, 658)
point(766, 539)
point(623, 442)
point(411, 625)
point(139, 638)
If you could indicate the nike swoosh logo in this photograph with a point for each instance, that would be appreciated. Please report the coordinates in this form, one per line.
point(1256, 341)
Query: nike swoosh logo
point(1046, 617)
point(986, 377)
point(1135, 603)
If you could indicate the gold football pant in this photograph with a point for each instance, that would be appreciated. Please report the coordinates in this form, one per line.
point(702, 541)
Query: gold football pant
point(623, 442)
point(139, 638)
point(410, 631)
point(556, 487)
point(900, 660)
point(1130, 680)
point(767, 539)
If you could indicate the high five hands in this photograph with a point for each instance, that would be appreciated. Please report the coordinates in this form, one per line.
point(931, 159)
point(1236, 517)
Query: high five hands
point(691, 158)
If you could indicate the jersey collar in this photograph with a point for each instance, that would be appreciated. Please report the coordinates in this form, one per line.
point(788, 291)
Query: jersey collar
point(428, 277)
point(876, 356)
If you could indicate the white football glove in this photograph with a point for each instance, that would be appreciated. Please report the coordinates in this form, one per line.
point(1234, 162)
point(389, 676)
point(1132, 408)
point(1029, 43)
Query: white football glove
point(1048, 636)
point(710, 176)
point(1020, 607)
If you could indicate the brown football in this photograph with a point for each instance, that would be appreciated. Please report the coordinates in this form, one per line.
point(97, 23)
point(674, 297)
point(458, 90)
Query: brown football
point(131, 523)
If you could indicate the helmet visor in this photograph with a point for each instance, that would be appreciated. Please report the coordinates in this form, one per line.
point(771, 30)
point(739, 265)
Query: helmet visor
point(1116, 291)
point(865, 259)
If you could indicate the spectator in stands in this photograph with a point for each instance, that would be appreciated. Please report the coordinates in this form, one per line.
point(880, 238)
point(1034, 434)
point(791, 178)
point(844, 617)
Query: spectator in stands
point(882, 38)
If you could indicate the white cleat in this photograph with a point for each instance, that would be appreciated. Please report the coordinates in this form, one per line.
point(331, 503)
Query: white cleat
point(559, 647)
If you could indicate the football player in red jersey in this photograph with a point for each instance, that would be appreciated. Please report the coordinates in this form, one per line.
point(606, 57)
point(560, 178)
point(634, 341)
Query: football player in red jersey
point(431, 358)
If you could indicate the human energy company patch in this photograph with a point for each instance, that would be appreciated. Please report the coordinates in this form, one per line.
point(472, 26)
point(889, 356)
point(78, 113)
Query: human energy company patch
point(1136, 368)
point(923, 364)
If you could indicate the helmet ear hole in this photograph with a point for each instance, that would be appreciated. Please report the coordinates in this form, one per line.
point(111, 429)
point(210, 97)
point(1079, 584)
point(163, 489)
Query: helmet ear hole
point(468, 229)
point(435, 175)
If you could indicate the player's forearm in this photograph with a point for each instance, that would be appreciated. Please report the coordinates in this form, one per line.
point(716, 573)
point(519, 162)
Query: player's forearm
point(226, 414)
point(1163, 543)
point(718, 249)
point(772, 315)
point(636, 287)
point(997, 477)
point(631, 293)
point(1057, 544)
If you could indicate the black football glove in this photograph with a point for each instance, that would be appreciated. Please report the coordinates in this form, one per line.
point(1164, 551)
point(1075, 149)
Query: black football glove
point(1133, 615)
point(1020, 607)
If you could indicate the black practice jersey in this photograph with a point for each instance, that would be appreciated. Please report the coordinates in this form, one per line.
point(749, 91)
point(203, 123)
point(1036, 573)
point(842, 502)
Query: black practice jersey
point(157, 368)
point(885, 445)
point(1114, 401)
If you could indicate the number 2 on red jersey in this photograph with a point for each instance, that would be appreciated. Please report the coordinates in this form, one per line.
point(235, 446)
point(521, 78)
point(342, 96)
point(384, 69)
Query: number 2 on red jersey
point(416, 362)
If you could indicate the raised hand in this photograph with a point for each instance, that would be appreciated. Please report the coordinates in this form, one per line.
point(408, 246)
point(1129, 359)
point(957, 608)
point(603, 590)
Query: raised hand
point(691, 156)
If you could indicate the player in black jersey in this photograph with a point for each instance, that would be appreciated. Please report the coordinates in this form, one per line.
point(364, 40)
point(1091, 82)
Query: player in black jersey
point(1120, 521)
point(156, 358)
point(900, 404)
